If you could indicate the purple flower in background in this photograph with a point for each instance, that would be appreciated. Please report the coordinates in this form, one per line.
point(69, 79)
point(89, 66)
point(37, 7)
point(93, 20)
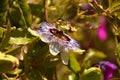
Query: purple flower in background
point(108, 69)
point(59, 42)
point(87, 8)
point(101, 31)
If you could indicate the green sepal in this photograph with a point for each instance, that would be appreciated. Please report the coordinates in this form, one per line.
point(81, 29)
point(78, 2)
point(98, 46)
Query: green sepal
point(73, 63)
point(92, 73)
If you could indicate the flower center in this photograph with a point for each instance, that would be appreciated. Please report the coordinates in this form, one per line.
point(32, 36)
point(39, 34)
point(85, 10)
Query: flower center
point(59, 34)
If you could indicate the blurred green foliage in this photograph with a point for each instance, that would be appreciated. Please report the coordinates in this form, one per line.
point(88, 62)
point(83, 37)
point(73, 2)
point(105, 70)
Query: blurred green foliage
point(25, 57)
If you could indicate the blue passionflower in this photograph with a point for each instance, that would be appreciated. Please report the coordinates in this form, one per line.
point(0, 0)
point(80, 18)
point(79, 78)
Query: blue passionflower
point(59, 42)
point(108, 69)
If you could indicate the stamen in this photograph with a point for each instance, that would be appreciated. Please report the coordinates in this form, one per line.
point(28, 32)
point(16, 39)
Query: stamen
point(59, 34)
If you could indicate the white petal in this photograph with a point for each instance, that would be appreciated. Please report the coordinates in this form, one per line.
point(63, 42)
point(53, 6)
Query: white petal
point(65, 57)
point(46, 37)
point(55, 48)
point(46, 26)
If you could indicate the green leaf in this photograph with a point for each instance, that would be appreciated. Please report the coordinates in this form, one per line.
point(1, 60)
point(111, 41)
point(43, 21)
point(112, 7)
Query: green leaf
point(35, 58)
point(115, 8)
point(10, 79)
point(25, 11)
point(94, 53)
point(33, 32)
point(34, 75)
point(79, 51)
point(100, 54)
point(19, 40)
point(115, 5)
point(8, 63)
point(19, 32)
point(13, 51)
point(73, 64)
point(51, 61)
point(16, 72)
point(92, 73)
point(72, 76)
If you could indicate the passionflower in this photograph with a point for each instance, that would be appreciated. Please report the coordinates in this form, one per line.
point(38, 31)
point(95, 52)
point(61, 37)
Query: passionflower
point(108, 69)
point(58, 41)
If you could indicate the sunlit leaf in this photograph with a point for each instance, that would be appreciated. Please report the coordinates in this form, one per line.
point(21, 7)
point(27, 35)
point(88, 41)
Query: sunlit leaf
point(94, 53)
point(92, 73)
point(8, 63)
point(19, 40)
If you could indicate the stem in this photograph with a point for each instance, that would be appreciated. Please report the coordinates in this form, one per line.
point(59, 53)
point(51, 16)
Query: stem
point(78, 7)
point(113, 25)
point(77, 76)
point(106, 14)
point(22, 16)
point(6, 36)
point(5, 76)
point(26, 11)
point(11, 51)
point(110, 3)
point(46, 9)
point(96, 3)
point(56, 74)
